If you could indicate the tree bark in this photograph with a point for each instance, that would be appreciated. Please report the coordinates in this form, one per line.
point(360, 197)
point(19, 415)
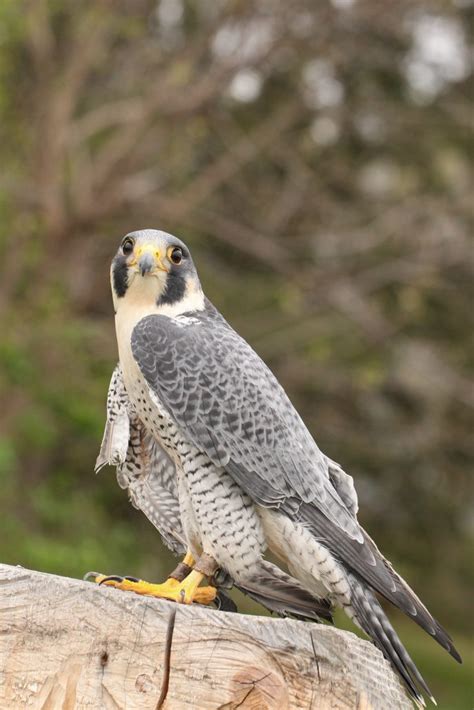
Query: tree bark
point(67, 644)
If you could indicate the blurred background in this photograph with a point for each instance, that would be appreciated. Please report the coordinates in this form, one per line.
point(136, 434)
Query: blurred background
point(316, 158)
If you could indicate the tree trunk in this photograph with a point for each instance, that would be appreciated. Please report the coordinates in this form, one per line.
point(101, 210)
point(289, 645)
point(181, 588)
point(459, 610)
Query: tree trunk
point(68, 644)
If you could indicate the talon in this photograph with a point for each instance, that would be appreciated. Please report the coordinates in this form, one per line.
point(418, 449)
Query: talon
point(182, 586)
point(101, 579)
point(185, 592)
point(224, 603)
point(190, 591)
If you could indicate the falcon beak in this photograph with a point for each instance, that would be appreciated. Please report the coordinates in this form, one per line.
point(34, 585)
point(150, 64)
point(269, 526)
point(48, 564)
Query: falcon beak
point(149, 260)
point(146, 263)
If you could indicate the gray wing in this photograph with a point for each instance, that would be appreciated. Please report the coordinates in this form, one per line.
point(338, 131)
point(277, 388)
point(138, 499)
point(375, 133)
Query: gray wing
point(143, 467)
point(231, 406)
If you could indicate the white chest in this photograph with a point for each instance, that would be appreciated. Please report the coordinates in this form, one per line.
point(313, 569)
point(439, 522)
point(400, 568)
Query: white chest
point(126, 318)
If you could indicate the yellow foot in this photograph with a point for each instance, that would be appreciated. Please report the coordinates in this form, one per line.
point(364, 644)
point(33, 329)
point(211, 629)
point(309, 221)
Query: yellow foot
point(185, 592)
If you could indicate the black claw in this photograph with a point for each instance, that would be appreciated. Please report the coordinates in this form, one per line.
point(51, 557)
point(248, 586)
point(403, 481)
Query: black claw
point(222, 579)
point(224, 603)
point(112, 578)
point(131, 579)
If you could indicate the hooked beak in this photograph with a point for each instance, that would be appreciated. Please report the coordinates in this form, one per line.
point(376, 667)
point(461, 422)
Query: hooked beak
point(148, 259)
point(146, 263)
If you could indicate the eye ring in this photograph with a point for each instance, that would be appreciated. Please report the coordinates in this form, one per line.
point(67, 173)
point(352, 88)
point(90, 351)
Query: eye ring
point(175, 255)
point(127, 246)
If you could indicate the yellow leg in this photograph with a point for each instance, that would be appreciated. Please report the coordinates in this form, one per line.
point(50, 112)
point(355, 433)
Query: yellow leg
point(186, 591)
point(189, 559)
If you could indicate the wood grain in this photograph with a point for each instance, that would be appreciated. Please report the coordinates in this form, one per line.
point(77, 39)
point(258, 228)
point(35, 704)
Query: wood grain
point(67, 644)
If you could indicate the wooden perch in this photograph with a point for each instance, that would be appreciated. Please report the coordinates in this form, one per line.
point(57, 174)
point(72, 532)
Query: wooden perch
point(67, 644)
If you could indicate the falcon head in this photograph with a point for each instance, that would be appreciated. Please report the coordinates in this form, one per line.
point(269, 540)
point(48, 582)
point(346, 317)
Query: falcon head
point(155, 269)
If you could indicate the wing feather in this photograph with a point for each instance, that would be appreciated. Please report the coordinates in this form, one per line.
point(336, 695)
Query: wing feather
point(113, 449)
point(143, 468)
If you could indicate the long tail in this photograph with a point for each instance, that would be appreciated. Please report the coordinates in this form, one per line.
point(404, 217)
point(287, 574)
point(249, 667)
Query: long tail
point(368, 564)
point(370, 616)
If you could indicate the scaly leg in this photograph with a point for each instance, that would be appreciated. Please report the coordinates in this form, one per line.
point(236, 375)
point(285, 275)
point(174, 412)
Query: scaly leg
point(181, 586)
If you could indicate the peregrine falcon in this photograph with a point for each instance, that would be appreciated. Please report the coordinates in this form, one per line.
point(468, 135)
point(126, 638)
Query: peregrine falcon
point(213, 452)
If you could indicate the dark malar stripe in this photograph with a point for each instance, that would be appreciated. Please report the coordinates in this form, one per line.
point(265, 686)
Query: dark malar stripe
point(120, 275)
point(175, 289)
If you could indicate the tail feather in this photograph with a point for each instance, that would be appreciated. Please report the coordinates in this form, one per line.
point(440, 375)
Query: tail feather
point(284, 595)
point(372, 619)
point(420, 614)
point(367, 563)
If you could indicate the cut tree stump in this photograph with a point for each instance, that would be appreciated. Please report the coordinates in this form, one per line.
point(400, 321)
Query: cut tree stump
point(67, 644)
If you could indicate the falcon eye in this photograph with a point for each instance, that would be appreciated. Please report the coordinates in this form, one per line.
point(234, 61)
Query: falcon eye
point(127, 246)
point(175, 254)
